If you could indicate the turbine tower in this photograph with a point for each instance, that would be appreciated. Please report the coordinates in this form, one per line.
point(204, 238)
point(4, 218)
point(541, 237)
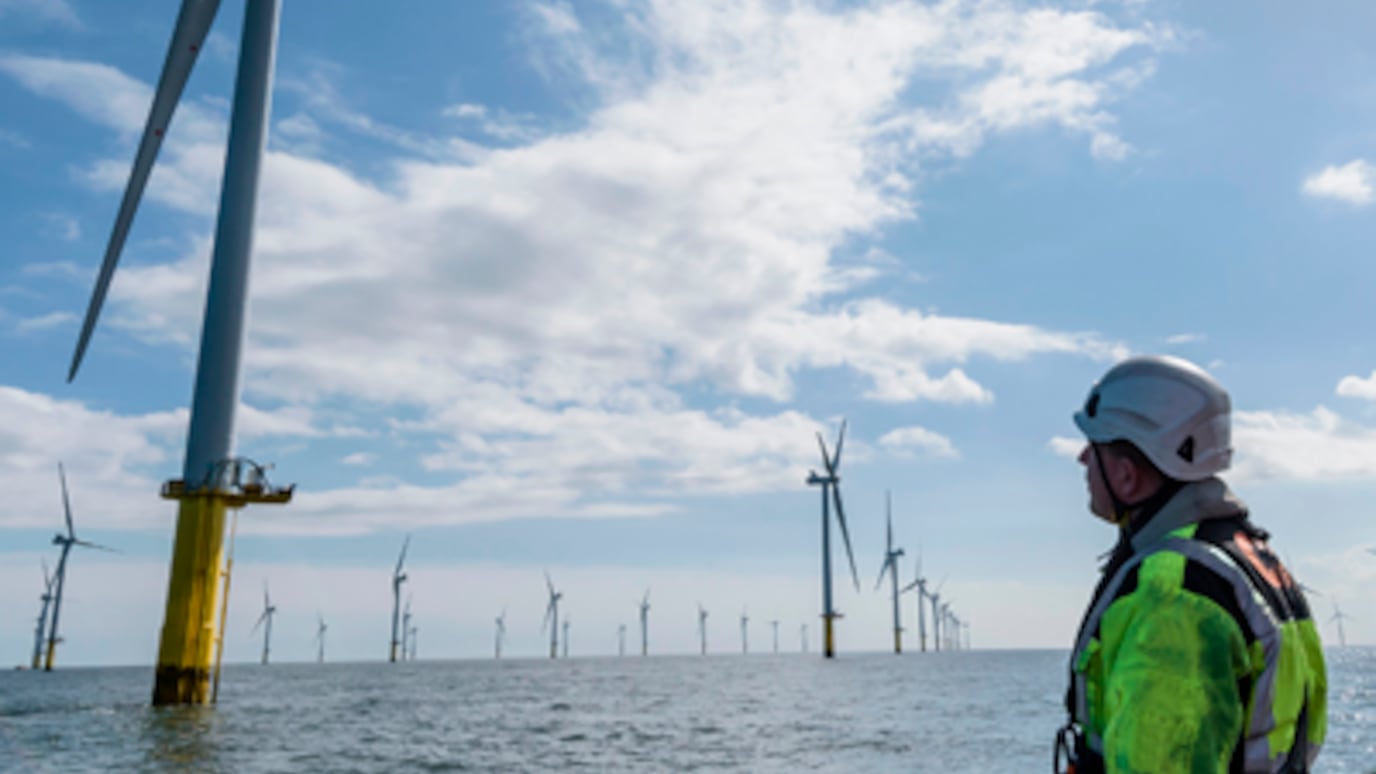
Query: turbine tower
point(802, 637)
point(406, 628)
point(40, 630)
point(552, 617)
point(206, 488)
point(501, 632)
point(702, 627)
point(268, 612)
point(831, 493)
point(891, 557)
point(745, 632)
point(567, 621)
point(621, 640)
point(320, 639)
point(415, 641)
point(645, 624)
point(60, 576)
point(920, 584)
point(1340, 616)
point(775, 624)
point(398, 578)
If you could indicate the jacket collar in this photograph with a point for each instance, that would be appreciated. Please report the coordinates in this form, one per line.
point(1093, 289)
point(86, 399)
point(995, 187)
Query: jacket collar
point(1196, 501)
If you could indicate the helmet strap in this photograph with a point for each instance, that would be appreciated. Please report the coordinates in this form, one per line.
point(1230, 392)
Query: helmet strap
point(1124, 513)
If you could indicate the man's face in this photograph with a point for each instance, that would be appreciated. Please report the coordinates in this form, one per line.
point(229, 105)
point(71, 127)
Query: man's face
point(1100, 503)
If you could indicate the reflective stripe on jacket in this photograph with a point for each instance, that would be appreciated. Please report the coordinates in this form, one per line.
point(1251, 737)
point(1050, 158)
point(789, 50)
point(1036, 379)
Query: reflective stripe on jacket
point(1198, 653)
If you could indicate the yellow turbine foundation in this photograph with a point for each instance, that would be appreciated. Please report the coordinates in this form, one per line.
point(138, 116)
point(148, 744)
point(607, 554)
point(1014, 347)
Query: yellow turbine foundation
point(186, 654)
point(897, 641)
point(828, 640)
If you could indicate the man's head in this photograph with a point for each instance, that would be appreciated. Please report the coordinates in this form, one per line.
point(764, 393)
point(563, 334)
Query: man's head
point(1149, 421)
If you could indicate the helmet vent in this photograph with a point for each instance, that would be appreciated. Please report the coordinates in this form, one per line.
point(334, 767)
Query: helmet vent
point(1092, 405)
point(1186, 450)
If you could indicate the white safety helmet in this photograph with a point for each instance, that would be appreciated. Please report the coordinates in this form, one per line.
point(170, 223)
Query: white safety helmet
point(1169, 408)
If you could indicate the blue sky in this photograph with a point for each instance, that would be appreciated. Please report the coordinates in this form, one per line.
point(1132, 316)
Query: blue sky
point(571, 287)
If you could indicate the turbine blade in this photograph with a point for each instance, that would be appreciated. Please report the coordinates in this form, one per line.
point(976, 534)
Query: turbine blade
point(888, 519)
point(405, 544)
point(908, 588)
point(261, 618)
point(549, 583)
point(883, 569)
point(845, 533)
point(47, 579)
point(96, 546)
point(840, 440)
point(193, 22)
point(66, 502)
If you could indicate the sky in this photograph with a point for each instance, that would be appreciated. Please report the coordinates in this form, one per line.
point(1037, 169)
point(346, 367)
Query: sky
point(572, 287)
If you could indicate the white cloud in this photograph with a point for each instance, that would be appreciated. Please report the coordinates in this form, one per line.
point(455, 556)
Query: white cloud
point(1185, 338)
point(684, 237)
point(1351, 182)
point(1357, 387)
point(362, 459)
point(1063, 446)
point(55, 11)
point(44, 322)
point(14, 139)
point(1319, 446)
point(905, 440)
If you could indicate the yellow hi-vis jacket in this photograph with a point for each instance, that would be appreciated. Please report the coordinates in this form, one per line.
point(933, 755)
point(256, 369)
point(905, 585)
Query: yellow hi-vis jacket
point(1198, 652)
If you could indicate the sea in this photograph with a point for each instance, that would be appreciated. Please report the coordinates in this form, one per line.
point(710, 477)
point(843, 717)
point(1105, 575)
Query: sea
point(965, 711)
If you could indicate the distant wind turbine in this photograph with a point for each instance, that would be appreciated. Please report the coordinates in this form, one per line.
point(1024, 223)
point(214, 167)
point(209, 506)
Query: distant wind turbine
point(621, 640)
point(552, 617)
point(320, 638)
point(935, 598)
point(268, 612)
point(645, 624)
point(567, 621)
point(1340, 616)
point(501, 632)
point(920, 585)
point(831, 493)
point(702, 627)
point(60, 577)
point(745, 632)
point(415, 642)
point(398, 578)
point(39, 631)
point(775, 624)
point(802, 636)
point(891, 557)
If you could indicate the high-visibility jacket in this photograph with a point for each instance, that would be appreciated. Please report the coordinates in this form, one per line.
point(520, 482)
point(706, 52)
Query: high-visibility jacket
point(1198, 652)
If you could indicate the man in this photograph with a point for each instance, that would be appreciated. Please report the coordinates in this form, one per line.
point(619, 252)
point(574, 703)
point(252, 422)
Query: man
point(1198, 652)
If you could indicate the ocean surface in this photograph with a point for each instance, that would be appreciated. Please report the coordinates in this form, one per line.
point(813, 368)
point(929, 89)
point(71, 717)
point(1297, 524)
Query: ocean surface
point(971, 711)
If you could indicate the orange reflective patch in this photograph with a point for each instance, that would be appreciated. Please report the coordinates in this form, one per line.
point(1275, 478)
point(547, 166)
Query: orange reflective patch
point(1271, 570)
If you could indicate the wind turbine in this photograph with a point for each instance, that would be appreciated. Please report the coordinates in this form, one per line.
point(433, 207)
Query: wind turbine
point(1340, 616)
point(831, 493)
point(38, 632)
point(501, 632)
point(320, 639)
point(645, 624)
point(802, 636)
point(621, 640)
point(205, 491)
point(745, 632)
point(702, 627)
point(60, 576)
point(775, 624)
point(891, 557)
point(405, 628)
point(398, 578)
point(935, 599)
point(268, 612)
point(552, 617)
point(920, 584)
point(567, 621)
point(415, 641)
